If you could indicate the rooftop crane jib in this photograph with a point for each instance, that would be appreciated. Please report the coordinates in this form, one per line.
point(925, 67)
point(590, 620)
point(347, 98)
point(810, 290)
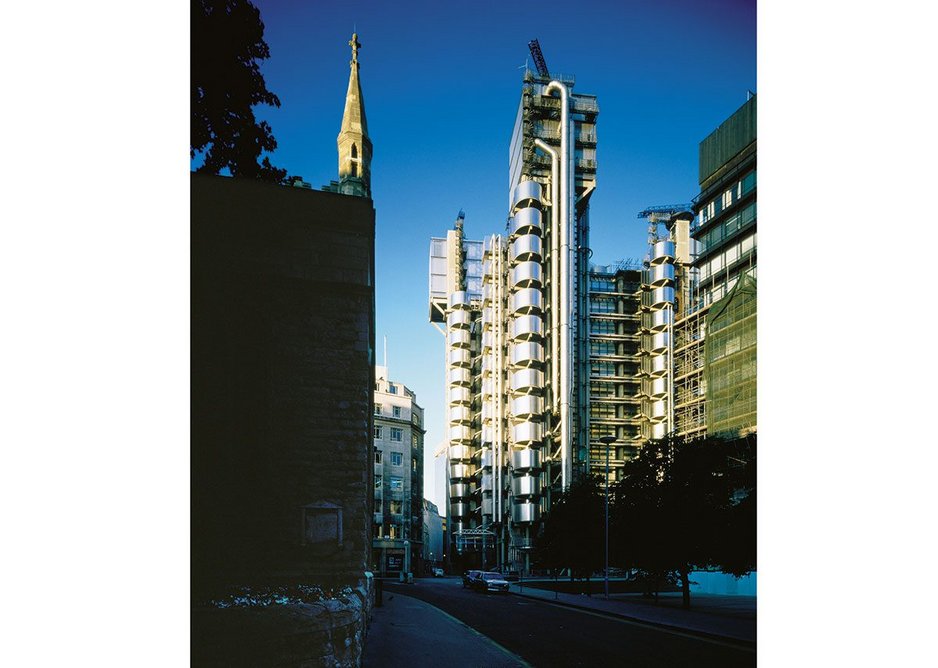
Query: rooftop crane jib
point(539, 63)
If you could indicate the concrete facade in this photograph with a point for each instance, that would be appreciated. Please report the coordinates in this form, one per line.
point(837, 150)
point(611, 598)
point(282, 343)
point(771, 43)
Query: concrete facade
point(398, 477)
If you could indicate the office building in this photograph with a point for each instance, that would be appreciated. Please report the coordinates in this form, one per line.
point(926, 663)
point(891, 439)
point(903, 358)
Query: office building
point(398, 477)
point(514, 309)
point(715, 336)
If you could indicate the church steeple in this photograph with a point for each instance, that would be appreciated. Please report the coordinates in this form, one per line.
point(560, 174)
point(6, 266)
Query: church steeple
point(353, 142)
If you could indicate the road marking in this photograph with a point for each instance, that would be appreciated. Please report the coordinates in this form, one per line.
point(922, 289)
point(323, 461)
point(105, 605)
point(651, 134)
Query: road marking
point(655, 627)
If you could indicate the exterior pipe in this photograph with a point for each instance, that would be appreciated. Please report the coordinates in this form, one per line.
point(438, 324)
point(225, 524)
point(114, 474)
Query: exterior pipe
point(565, 388)
point(554, 267)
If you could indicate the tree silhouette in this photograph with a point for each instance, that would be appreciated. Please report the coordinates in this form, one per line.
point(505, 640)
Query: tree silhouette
point(227, 43)
point(572, 535)
point(683, 506)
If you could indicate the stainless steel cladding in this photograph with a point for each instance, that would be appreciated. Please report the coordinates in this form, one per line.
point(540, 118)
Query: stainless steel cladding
point(487, 292)
point(459, 318)
point(525, 459)
point(527, 354)
point(526, 221)
point(657, 343)
point(459, 300)
point(487, 338)
point(527, 433)
point(662, 297)
point(488, 434)
point(526, 327)
point(527, 275)
point(662, 251)
point(658, 430)
point(460, 357)
point(660, 274)
point(460, 471)
point(487, 389)
point(459, 490)
point(460, 395)
point(460, 433)
point(525, 247)
point(524, 512)
point(525, 485)
point(460, 376)
point(527, 300)
point(658, 321)
point(525, 192)
point(486, 505)
point(460, 338)
point(657, 388)
point(459, 509)
point(656, 366)
point(527, 380)
point(527, 407)
point(460, 414)
point(460, 452)
point(488, 411)
point(486, 481)
point(659, 409)
point(487, 459)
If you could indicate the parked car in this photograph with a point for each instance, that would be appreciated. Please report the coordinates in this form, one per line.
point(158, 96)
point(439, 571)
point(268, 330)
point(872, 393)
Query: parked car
point(490, 581)
point(469, 578)
point(437, 572)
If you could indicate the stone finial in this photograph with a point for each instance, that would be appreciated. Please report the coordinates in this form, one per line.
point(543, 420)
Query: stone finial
point(356, 45)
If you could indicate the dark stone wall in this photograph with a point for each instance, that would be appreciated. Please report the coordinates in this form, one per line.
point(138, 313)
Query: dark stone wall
point(282, 362)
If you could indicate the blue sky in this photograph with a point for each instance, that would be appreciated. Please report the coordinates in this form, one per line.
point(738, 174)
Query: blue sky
point(441, 83)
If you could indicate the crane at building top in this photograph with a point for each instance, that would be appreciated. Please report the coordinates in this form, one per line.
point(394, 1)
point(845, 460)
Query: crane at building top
point(539, 63)
point(661, 214)
point(664, 211)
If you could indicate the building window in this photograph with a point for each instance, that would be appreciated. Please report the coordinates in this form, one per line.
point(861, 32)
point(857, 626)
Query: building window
point(377, 409)
point(354, 160)
point(727, 199)
point(415, 441)
point(397, 459)
point(379, 508)
point(392, 388)
point(397, 434)
point(413, 465)
point(396, 507)
point(397, 411)
point(378, 481)
point(395, 531)
point(377, 432)
point(378, 456)
point(397, 484)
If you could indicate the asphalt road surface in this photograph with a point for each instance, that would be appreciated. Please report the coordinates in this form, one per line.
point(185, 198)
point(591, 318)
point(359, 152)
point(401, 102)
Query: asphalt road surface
point(545, 634)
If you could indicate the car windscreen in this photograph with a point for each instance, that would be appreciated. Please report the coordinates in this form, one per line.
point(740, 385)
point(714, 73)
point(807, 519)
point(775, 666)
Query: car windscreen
point(491, 576)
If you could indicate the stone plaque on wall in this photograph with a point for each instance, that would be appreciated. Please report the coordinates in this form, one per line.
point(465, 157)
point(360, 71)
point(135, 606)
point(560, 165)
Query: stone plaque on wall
point(322, 524)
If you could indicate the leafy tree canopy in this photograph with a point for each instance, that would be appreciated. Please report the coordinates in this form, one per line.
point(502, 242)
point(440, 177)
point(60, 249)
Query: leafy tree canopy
point(682, 506)
point(226, 82)
point(573, 533)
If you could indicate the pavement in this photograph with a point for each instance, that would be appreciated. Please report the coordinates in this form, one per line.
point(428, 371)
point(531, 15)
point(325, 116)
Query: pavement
point(400, 628)
point(407, 632)
point(711, 615)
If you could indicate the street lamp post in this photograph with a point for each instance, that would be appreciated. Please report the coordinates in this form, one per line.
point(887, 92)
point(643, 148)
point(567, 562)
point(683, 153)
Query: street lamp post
point(607, 441)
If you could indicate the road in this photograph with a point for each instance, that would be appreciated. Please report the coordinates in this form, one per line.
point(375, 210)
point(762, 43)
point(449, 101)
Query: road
point(545, 634)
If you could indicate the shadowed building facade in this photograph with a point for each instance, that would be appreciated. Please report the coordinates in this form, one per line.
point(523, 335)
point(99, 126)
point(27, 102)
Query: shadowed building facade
point(282, 371)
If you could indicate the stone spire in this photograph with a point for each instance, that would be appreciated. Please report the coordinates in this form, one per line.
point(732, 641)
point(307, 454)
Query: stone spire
point(353, 142)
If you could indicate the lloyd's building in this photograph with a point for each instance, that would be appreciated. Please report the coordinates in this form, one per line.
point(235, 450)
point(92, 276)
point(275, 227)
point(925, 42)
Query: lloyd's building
point(514, 310)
